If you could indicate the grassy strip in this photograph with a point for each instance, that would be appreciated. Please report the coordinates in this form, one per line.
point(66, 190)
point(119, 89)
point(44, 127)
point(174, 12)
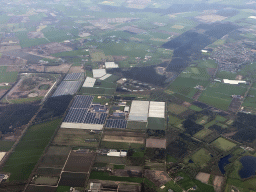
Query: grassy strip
point(105, 176)
point(30, 148)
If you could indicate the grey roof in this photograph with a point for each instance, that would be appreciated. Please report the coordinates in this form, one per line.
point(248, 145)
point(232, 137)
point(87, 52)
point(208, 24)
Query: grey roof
point(89, 82)
point(97, 73)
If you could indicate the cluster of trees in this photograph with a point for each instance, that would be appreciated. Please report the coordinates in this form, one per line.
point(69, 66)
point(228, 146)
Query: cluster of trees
point(246, 126)
point(15, 115)
point(54, 107)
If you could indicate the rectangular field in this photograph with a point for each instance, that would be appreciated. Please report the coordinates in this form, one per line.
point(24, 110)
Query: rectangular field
point(201, 157)
point(176, 109)
point(203, 133)
point(79, 162)
point(76, 137)
point(223, 144)
point(55, 157)
point(120, 145)
point(123, 139)
point(26, 154)
point(136, 125)
point(156, 123)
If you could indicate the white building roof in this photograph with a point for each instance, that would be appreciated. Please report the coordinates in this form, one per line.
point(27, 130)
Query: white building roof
point(233, 82)
point(105, 76)
point(89, 82)
point(117, 154)
point(110, 65)
point(2, 154)
point(126, 108)
point(97, 73)
point(157, 109)
point(139, 111)
point(81, 126)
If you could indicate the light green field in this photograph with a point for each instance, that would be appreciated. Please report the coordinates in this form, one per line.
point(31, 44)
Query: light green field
point(185, 86)
point(201, 157)
point(219, 94)
point(207, 64)
point(223, 144)
point(7, 77)
point(195, 108)
point(176, 109)
point(97, 56)
point(202, 120)
point(203, 133)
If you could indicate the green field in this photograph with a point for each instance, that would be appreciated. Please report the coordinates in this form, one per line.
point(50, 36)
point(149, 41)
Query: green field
point(26, 154)
point(245, 186)
point(207, 64)
point(25, 100)
point(5, 145)
point(175, 121)
point(203, 133)
point(201, 157)
point(105, 176)
point(176, 109)
point(250, 100)
point(27, 42)
point(185, 86)
point(195, 108)
point(156, 123)
point(197, 73)
point(7, 77)
point(136, 125)
point(223, 144)
point(71, 53)
point(130, 49)
point(219, 94)
point(97, 91)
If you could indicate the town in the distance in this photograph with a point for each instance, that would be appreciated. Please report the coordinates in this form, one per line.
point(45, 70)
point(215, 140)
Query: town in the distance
point(128, 96)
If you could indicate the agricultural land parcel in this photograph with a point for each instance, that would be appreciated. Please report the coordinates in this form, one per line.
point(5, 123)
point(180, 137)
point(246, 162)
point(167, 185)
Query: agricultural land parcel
point(76, 137)
point(22, 161)
point(219, 94)
point(223, 144)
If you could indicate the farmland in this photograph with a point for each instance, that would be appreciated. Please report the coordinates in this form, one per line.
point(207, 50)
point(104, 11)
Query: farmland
point(74, 137)
point(7, 77)
point(223, 144)
point(30, 148)
point(201, 157)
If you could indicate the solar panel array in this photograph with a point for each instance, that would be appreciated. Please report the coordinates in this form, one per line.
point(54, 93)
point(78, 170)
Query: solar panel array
point(72, 76)
point(67, 88)
point(76, 115)
point(82, 102)
point(116, 123)
point(79, 113)
point(91, 118)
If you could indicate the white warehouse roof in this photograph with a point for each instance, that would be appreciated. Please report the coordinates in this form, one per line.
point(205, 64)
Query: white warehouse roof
point(139, 111)
point(98, 73)
point(81, 126)
point(89, 82)
point(117, 154)
point(157, 109)
point(110, 65)
point(233, 82)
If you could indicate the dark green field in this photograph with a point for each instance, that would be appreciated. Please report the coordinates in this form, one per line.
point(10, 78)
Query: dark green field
point(30, 148)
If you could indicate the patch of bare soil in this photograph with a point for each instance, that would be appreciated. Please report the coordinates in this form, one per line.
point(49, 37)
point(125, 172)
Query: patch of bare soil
point(218, 182)
point(203, 177)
